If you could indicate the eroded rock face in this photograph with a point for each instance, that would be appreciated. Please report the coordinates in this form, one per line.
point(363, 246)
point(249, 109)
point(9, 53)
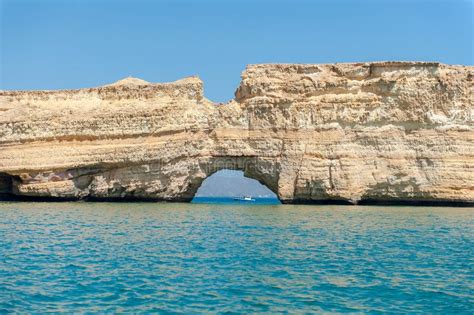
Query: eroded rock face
point(387, 131)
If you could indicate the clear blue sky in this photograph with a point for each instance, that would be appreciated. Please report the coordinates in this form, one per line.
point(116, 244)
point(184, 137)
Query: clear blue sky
point(72, 44)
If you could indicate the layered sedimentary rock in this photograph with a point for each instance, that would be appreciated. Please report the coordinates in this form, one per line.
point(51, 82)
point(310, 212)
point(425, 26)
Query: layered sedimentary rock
point(360, 132)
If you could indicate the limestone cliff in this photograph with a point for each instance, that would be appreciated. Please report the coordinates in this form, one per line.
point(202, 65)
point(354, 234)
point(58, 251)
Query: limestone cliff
point(356, 133)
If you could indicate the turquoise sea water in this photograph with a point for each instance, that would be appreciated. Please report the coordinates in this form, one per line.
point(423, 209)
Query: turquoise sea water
point(231, 200)
point(215, 258)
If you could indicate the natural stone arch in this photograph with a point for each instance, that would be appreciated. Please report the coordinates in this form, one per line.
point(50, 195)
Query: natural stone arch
point(264, 171)
point(228, 183)
point(396, 131)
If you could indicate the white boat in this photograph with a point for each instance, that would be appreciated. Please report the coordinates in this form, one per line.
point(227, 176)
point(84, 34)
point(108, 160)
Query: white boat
point(244, 198)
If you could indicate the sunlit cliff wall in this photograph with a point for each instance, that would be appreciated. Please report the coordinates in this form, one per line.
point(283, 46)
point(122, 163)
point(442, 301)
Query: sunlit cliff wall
point(361, 132)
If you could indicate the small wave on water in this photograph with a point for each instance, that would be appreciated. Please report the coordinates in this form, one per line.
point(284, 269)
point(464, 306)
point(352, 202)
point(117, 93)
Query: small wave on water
point(234, 258)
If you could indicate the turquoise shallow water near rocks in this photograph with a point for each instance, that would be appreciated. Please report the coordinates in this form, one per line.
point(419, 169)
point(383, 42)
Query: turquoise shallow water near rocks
point(231, 200)
point(198, 258)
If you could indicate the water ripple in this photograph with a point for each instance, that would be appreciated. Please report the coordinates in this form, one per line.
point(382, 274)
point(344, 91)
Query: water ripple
point(232, 259)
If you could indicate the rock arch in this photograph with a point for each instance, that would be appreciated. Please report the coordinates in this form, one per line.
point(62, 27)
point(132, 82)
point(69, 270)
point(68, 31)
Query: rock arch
point(265, 173)
point(385, 131)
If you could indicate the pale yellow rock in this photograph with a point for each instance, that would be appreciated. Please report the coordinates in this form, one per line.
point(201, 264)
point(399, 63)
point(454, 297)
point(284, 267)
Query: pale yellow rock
point(129, 81)
point(359, 132)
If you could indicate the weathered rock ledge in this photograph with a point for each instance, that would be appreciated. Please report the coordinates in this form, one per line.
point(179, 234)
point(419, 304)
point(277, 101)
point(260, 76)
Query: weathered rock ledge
point(379, 132)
